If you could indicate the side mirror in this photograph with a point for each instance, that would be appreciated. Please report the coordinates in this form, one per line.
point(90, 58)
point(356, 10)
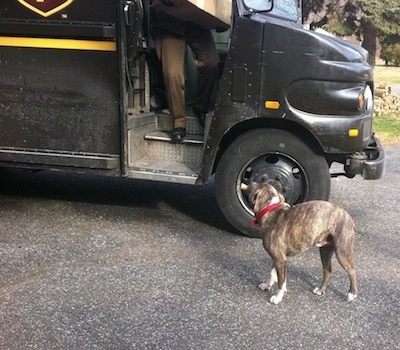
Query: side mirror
point(259, 5)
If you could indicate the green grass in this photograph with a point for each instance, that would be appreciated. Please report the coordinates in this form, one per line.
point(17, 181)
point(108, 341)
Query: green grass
point(387, 75)
point(387, 127)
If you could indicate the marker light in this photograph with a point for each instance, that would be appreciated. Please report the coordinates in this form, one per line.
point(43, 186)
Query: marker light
point(272, 104)
point(353, 132)
point(361, 101)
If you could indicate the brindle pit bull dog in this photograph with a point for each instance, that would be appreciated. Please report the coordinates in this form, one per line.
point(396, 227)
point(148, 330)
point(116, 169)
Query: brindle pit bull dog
point(288, 231)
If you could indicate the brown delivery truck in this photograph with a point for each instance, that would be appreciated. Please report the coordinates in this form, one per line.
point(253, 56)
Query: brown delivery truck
point(80, 91)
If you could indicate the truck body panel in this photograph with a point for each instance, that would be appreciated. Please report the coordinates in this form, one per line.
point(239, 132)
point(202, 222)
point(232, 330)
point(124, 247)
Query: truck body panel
point(59, 87)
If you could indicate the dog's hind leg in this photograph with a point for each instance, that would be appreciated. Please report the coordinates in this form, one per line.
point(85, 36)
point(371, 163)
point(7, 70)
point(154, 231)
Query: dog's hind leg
point(280, 267)
point(326, 253)
point(346, 260)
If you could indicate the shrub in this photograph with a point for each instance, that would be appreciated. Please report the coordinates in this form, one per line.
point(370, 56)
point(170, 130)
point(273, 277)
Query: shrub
point(391, 54)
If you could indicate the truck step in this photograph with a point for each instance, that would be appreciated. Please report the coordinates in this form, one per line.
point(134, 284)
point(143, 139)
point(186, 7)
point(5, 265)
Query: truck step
point(166, 171)
point(165, 123)
point(159, 146)
point(193, 139)
point(136, 121)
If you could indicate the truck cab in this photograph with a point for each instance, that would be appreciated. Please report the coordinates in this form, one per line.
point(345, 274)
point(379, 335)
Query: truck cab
point(81, 91)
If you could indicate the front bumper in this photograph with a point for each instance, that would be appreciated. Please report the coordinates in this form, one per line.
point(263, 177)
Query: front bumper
point(369, 163)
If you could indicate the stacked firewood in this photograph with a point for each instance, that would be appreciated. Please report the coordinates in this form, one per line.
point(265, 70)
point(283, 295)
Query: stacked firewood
point(386, 101)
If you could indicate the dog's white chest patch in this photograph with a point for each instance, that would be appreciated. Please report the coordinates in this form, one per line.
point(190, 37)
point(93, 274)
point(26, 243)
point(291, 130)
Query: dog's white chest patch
point(274, 200)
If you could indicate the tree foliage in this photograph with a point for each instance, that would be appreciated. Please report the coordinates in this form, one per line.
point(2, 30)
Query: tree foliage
point(369, 20)
point(391, 50)
point(311, 6)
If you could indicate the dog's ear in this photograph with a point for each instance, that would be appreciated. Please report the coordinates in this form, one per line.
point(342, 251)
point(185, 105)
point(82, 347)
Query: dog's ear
point(281, 198)
point(263, 197)
point(253, 191)
point(253, 196)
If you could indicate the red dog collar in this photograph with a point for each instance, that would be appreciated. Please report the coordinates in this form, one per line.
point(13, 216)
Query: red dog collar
point(266, 210)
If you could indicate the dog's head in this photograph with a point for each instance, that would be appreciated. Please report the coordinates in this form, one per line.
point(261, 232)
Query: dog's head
point(262, 195)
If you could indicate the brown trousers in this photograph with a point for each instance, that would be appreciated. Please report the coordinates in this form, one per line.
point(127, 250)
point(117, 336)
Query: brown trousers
point(170, 50)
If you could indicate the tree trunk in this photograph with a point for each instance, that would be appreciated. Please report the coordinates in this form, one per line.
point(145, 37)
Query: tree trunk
point(370, 34)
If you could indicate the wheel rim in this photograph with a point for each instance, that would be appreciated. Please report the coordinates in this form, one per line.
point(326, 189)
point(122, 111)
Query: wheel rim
point(279, 170)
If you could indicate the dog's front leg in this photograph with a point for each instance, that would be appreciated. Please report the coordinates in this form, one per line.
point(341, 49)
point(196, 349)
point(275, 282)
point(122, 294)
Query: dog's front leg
point(280, 267)
point(272, 280)
point(326, 253)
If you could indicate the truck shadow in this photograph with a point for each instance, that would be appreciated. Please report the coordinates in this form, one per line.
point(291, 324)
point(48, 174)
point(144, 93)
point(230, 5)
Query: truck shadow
point(196, 202)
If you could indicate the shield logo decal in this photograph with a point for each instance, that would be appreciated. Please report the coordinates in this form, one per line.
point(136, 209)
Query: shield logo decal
point(45, 8)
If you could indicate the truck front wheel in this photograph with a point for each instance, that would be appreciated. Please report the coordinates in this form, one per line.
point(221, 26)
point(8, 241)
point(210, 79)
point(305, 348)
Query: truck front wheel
point(273, 156)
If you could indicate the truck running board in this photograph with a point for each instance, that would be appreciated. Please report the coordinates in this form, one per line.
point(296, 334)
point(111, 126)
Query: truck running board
point(167, 171)
point(165, 136)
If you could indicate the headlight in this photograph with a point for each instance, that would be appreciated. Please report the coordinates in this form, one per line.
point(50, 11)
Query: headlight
point(366, 100)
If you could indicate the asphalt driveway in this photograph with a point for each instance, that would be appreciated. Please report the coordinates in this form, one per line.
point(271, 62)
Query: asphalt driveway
point(94, 263)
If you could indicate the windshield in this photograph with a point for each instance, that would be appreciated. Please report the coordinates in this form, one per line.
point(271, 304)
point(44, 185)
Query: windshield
point(286, 9)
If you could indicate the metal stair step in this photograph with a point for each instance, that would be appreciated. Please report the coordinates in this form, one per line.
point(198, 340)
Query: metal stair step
point(194, 139)
point(170, 171)
point(165, 123)
point(159, 146)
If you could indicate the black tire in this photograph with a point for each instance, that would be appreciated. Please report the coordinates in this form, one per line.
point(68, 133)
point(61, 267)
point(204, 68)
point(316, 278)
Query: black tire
point(273, 156)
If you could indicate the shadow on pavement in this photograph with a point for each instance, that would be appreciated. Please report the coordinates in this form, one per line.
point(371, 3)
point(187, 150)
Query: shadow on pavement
point(196, 202)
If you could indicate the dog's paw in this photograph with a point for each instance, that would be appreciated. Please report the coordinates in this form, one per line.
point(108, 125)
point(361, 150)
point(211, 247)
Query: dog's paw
point(318, 291)
point(351, 296)
point(275, 299)
point(264, 286)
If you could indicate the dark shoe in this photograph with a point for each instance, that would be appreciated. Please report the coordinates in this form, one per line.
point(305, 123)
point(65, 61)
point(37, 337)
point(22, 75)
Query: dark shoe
point(178, 134)
point(201, 116)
